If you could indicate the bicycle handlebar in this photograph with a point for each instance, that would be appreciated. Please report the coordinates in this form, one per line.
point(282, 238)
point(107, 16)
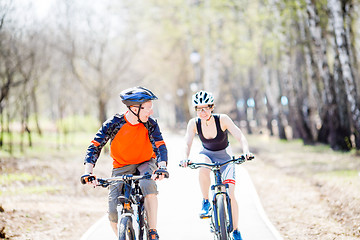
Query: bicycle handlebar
point(104, 182)
point(238, 160)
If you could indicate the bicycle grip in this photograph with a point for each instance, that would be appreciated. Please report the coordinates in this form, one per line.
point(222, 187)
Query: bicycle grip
point(251, 158)
point(162, 172)
point(187, 163)
point(87, 178)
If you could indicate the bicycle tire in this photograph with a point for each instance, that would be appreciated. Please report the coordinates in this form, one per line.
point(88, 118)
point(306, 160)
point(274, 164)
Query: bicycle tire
point(222, 220)
point(144, 227)
point(126, 231)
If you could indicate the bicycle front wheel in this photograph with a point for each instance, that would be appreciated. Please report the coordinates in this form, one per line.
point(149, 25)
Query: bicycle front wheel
point(222, 219)
point(144, 227)
point(126, 231)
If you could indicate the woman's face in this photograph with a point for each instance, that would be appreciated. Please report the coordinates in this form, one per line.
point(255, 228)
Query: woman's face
point(204, 111)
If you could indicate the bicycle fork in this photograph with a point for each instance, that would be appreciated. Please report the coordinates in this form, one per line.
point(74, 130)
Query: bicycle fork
point(133, 211)
point(228, 205)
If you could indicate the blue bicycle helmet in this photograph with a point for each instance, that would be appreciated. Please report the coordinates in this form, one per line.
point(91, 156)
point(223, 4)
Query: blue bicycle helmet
point(136, 96)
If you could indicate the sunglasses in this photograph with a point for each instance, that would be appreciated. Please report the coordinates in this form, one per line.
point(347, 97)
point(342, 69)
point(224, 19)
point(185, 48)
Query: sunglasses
point(199, 109)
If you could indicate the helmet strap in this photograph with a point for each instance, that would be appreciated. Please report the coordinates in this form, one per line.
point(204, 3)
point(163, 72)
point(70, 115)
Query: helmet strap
point(137, 114)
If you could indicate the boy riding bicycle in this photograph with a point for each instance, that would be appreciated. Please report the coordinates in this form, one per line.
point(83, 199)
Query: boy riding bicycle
point(213, 133)
point(137, 146)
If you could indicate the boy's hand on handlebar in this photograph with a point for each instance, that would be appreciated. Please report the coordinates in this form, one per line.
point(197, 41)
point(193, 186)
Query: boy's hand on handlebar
point(88, 178)
point(161, 172)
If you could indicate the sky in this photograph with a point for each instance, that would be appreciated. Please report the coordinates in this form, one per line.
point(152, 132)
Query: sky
point(39, 8)
point(42, 7)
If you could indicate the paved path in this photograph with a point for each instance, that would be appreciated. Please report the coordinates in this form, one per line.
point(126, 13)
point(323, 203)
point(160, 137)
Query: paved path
point(180, 202)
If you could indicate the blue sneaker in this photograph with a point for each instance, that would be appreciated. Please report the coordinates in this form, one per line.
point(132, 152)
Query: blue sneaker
point(236, 235)
point(204, 213)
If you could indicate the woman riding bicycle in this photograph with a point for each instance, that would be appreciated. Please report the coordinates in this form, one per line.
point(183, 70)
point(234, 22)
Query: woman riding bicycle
point(213, 133)
point(136, 146)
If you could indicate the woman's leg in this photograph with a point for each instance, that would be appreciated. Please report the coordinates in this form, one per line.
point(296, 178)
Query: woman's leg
point(204, 177)
point(234, 206)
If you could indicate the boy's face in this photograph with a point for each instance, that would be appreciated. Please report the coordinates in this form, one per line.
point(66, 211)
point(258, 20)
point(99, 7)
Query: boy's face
point(146, 111)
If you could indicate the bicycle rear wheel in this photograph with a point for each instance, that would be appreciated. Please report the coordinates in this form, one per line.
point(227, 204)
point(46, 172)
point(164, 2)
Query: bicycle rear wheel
point(222, 219)
point(126, 231)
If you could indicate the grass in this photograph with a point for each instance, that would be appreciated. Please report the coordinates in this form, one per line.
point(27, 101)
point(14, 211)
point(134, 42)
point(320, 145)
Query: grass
point(295, 157)
point(6, 179)
point(28, 190)
point(19, 175)
point(348, 175)
point(47, 145)
point(317, 160)
point(23, 183)
point(68, 134)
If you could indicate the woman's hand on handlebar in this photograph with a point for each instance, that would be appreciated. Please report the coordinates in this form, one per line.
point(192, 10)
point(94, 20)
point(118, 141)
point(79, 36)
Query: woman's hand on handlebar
point(184, 163)
point(248, 156)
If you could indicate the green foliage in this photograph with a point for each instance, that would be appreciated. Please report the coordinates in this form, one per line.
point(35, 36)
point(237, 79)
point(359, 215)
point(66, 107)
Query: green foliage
point(47, 145)
point(6, 179)
point(23, 183)
point(77, 123)
point(345, 173)
point(340, 177)
point(32, 190)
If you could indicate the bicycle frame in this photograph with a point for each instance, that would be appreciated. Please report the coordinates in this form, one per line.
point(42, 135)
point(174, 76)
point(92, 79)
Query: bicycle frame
point(218, 189)
point(131, 202)
point(131, 211)
point(131, 205)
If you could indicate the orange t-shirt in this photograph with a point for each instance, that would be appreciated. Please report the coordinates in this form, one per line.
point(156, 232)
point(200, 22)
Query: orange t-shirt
point(131, 145)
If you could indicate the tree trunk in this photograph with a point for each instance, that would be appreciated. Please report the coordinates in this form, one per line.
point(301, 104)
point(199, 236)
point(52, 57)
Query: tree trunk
point(102, 110)
point(271, 104)
point(269, 118)
point(10, 135)
point(309, 90)
point(36, 111)
point(346, 71)
point(348, 15)
point(246, 97)
point(341, 141)
point(273, 100)
point(319, 56)
point(296, 102)
point(2, 127)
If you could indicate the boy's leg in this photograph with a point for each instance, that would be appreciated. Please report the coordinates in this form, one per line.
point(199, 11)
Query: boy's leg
point(151, 206)
point(149, 189)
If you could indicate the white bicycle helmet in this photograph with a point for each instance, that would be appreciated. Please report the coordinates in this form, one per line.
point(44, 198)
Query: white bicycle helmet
point(202, 98)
